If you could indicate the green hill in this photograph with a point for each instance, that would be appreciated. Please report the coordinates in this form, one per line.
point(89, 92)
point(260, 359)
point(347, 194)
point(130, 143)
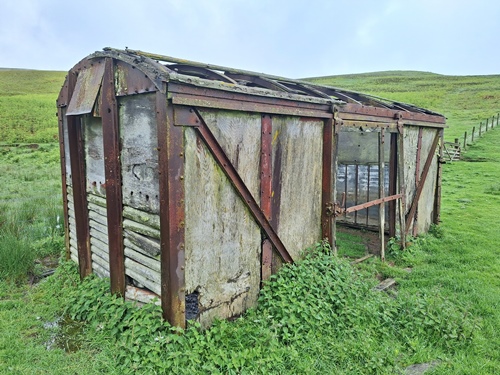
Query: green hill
point(28, 105)
point(464, 100)
point(27, 98)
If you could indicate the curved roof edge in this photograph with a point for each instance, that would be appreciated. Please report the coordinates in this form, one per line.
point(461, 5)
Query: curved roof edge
point(160, 69)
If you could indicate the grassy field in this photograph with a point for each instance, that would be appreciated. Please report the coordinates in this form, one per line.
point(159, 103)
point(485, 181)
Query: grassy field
point(318, 316)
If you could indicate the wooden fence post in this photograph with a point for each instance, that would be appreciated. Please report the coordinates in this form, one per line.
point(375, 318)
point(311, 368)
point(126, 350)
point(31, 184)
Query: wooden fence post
point(480, 124)
point(465, 140)
point(473, 131)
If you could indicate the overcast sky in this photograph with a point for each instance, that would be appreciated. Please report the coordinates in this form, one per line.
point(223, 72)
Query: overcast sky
point(284, 37)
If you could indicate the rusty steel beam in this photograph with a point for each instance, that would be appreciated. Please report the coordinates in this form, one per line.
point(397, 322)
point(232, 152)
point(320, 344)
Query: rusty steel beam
point(437, 198)
point(372, 203)
point(172, 213)
point(327, 183)
point(219, 155)
point(381, 191)
point(423, 177)
point(77, 155)
point(402, 186)
point(62, 103)
point(266, 190)
point(112, 173)
point(350, 111)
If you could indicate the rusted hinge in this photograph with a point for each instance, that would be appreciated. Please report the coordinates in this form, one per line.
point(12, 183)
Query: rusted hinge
point(336, 208)
point(399, 123)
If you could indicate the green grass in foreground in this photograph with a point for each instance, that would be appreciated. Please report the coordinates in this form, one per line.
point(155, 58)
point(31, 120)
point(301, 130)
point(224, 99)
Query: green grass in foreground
point(319, 316)
point(30, 208)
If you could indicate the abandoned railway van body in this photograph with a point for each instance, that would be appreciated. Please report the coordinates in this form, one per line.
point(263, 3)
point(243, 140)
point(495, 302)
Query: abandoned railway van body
point(193, 183)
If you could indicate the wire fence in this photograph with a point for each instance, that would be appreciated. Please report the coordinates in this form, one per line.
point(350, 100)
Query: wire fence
point(452, 150)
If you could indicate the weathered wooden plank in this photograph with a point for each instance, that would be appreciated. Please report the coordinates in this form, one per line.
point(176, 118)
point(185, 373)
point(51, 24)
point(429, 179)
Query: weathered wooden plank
point(387, 283)
point(151, 263)
point(141, 228)
point(138, 249)
point(99, 270)
point(150, 246)
point(99, 248)
point(73, 256)
point(142, 217)
point(94, 225)
point(362, 259)
point(98, 209)
point(150, 274)
point(99, 235)
point(154, 287)
point(98, 218)
point(96, 200)
point(141, 295)
point(96, 259)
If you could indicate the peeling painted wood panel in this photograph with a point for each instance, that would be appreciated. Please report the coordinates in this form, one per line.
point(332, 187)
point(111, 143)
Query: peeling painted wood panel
point(239, 135)
point(94, 155)
point(297, 158)
point(410, 153)
point(222, 239)
point(139, 156)
point(426, 203)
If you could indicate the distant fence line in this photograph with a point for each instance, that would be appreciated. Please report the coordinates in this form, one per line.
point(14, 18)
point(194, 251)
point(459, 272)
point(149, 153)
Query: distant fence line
point(452, 150)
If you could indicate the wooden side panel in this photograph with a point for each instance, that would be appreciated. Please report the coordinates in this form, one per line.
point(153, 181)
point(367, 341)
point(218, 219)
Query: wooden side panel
point(297, 176)
point(222, 239)
point(410, 154)
point(139, 152)
point(239, 135)
point(140, 184)
point(425, 211)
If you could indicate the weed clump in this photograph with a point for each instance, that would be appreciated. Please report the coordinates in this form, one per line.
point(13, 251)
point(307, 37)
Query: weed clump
point(317, 315)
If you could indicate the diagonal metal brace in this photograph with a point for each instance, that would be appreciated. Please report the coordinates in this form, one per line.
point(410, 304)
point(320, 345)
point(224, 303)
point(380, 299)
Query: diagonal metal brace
point(220, 156)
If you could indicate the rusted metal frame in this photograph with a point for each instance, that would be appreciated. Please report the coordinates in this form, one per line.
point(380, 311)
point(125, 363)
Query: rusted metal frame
point(393, 173)
point(356, 188)
point(375, 202)
point(423, 177)
point(130, 81)
point(259, 81)
point(200, 101)
point(437, 197)
point(112, 173)
point(334, 152)
point(266, 191)
point(327, 182)
point(288, 99)
point(417, 175)
point(381, 191)
point(350, 111)
point(389, 125)
point(201, 72)
point(77, 155)
point(62, 102)
point(224, 162)
point(368, 195)
point(172, 212)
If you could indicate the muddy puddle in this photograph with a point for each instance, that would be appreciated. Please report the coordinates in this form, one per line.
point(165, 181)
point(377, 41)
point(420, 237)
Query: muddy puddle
point(66, 334)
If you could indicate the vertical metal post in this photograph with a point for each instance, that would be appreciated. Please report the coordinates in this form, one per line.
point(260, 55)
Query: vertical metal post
point(368, 195)
point(172, 213)
point(381, 191)
point(356, 189)
point(77, 155)
point(62, 102)
point(112, 173)
point(437, 198)
point(327, 192)
point(266, 191)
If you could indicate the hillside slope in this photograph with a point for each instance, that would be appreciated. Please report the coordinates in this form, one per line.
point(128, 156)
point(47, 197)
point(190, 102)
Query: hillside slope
point(28, 105)
point(464, 100)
